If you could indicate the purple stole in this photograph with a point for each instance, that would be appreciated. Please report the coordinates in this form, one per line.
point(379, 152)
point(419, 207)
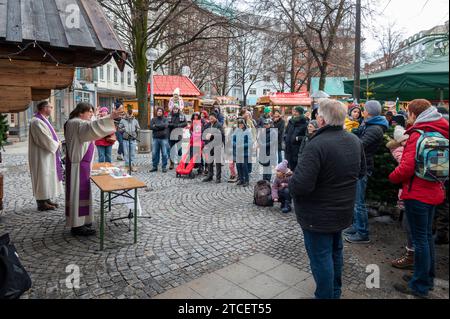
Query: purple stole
point(55, 138)
point(85, 183)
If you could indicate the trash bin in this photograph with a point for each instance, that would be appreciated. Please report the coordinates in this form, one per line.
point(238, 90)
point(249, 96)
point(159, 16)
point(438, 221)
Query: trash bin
point(145, 138)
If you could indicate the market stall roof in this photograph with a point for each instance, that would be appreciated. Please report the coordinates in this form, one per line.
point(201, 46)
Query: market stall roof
point(426, 79)
point(286, 99)
point(74, 32)
point(166, 84)
point(334, 86)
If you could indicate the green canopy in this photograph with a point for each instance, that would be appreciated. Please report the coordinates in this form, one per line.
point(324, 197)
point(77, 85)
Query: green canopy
point(427, 79)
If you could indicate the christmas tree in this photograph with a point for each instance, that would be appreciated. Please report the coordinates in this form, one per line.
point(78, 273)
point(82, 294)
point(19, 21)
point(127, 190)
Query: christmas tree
point(381, 193)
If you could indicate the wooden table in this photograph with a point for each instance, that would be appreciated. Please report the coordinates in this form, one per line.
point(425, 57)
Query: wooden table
point(117, 187)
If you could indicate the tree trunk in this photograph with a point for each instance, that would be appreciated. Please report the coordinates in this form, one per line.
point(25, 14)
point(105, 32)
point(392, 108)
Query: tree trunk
point(140, 44)
point(323, 75)
point(293, 73)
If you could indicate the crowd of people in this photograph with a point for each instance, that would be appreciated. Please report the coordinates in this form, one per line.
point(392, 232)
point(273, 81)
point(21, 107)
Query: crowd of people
point(322, 165)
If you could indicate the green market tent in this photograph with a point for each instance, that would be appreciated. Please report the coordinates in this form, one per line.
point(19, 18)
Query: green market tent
point(427, 79)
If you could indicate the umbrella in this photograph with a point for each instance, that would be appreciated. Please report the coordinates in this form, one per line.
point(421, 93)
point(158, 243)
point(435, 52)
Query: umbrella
point(320, 95)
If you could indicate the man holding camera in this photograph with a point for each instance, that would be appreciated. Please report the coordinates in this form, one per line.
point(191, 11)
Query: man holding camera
point(129, 127)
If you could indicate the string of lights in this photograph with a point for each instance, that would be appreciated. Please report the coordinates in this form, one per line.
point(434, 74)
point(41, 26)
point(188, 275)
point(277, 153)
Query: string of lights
point(35, 44)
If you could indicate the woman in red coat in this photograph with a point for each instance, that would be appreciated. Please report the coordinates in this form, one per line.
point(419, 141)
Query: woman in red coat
point(104, 145)
point(420, 196)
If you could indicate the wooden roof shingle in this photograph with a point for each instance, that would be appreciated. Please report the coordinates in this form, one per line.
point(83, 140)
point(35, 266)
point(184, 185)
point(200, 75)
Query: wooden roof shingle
point(75, 31)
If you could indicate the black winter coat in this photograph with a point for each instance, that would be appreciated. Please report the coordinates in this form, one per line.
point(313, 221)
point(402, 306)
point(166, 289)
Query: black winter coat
point(324, 183)
point(209, 125)
point(280, 126)
point(176, 120)
point(295, 132)
point(160, 127)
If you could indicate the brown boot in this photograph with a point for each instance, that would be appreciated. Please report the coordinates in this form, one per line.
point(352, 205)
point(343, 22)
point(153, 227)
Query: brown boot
point(404, 262)
point(171, 165)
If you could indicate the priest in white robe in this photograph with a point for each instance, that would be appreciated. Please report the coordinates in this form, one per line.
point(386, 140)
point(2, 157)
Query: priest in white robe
point(44, 158)
point(80, 133)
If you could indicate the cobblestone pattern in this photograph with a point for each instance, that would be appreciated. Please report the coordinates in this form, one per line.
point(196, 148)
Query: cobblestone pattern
point(195, 228)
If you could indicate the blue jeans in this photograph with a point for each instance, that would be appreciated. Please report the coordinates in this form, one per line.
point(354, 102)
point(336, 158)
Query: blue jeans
point(420, 218)
point(160, 146)
point(119, 137)
point(360, 215)
point(242, 170)
point(104, 154)
point(326, 261)
point(280, 155)
point(127, 147)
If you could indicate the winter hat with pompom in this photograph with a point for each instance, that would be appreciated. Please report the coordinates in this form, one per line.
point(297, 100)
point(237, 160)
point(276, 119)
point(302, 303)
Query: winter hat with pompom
point(282, 167)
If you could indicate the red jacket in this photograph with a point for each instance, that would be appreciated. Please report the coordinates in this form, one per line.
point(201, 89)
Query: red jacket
point(431, 193)
point(104, 142)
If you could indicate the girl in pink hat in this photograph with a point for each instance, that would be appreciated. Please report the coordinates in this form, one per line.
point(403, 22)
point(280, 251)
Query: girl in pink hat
point(104, 145)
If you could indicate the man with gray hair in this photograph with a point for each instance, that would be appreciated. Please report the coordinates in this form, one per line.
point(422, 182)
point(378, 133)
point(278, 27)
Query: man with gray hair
point(371, 134)
point(323, 188)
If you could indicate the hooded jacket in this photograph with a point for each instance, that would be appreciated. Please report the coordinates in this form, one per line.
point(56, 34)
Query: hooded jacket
point(371, 133)
point(413, 187)
point(129, 126)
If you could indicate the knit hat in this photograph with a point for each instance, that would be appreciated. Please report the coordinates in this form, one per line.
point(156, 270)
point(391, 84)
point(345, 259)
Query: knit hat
point(267, 110)
point(176, 91)
point(399, 134)
point(399, 119)
point(300, 110)
point(373, 107)
point(104, 109)
point(282, 167)
point(268, 121)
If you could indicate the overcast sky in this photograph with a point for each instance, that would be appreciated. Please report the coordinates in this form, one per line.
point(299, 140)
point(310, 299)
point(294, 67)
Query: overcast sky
point(411, 16)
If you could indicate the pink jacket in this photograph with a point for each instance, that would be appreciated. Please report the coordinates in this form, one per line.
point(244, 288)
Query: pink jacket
point(276, 186)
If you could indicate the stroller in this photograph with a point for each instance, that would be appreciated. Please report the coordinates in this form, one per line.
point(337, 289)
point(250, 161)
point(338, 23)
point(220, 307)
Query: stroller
point(186, 168)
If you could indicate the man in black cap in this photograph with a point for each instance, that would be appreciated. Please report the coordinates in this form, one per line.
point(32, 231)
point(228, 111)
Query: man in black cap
point(211, 129)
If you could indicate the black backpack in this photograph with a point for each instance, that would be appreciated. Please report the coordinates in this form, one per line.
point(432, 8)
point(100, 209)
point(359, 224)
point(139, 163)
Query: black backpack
point(14, 279)
point(262, 195)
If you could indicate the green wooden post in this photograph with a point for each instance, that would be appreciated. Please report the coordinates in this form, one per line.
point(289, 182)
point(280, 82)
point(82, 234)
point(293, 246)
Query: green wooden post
point(135, 215)
point(102, 218)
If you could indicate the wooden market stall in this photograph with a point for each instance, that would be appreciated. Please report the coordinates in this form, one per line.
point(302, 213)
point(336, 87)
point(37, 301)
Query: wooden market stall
point(163, 86)
point(41, 44)
point(284, 102)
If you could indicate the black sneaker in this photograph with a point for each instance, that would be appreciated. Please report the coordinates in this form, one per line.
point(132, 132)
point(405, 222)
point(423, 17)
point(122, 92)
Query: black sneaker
point(218, 181)
point(208, 179)
point(154, 169)
point(164, 170)
point(239, 183)
point(404, 289)
point(245, 184)
point(82, 231)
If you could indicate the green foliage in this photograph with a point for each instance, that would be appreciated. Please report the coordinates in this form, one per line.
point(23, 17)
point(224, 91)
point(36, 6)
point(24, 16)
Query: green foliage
point(379, 188)
point(3, 129)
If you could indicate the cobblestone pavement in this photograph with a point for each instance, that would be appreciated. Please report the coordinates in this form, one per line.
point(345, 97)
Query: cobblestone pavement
point(195, 228)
